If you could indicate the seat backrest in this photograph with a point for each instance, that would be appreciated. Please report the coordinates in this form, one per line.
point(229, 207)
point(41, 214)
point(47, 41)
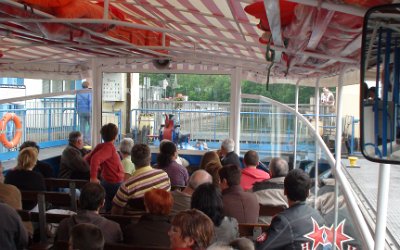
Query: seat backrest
point(122, 220)
point(267, 210)
point(249, 229)
point(53, 183)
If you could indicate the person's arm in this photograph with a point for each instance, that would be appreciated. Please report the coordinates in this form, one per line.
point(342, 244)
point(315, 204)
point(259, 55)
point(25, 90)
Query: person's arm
point(76, 160)
point(97, 158)
point(278, 234)
point(22, 239)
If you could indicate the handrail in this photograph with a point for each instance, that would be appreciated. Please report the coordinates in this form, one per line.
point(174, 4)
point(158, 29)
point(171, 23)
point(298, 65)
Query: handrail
point(347, 190)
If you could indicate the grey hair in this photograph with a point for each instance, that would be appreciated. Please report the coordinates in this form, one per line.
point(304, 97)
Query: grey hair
point(228, 145)
point(126, 146)
point(278, 167)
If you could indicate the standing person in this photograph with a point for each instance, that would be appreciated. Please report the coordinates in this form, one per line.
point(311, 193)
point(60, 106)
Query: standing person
point(299, 225)
point(105, 159)
point(125, 148)
point(72, 164)
point(228, 156)
point(84, 109)
point(327, 97)
point(250, 174)
point(41, 167)
point(24, 178)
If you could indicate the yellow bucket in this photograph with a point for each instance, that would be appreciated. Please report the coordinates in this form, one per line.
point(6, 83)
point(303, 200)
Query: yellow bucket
point(353, 161)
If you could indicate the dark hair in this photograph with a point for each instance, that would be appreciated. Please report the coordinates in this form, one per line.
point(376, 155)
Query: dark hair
point(251, 158)
point(141, 155)
point(167, 151)
point(92, 196)
point(73, 136)
point(29, 144)
point(208, 199)
point(86, 236)
point(109, 132)
point(195, 225)
point(297, 185)
point(231, 173)
point(278, 167)
point(158, 201)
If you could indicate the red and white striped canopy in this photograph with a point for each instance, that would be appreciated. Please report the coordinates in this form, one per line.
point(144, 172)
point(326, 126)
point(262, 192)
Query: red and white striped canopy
point(40, 39)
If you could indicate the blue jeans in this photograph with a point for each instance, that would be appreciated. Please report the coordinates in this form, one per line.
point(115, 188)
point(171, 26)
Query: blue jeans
point(111, 190)
point(84, 127)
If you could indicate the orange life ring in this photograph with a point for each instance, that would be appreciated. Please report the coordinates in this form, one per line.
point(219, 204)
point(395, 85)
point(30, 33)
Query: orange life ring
point(18, 130)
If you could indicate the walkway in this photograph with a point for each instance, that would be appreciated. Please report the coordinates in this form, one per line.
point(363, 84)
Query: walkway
point(365, 183)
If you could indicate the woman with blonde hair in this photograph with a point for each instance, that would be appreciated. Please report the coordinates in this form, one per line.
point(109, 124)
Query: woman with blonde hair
point(211, 163)
point(23, 177)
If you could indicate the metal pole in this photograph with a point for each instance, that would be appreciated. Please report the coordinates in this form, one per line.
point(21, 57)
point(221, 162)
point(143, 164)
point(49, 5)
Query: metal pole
point(316, 135)
point(295, 124)
point(235, 103)
point(338, 147)
point(383, 198)
point(97, 79)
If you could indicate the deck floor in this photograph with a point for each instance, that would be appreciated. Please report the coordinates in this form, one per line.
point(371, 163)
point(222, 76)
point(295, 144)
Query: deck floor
point(364, 178)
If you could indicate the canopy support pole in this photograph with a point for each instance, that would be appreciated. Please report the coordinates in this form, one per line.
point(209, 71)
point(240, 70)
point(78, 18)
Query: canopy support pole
point(234, 129)
point(296, 127)
point(97, 80)
point(316, 124)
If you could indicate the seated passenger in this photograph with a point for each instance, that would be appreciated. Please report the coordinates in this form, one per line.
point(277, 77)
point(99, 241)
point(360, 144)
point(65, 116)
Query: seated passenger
point(9, 194)
point(241, 205)
point(143, 179)
point(12, 232)
point(228, 156)
point(40, 167)
point(104, 161)
point(208, 199)
point(183, 198)
point(191, 229)
point(125, 147)
point(250, 174)
point(155, 222)
point(91, 201)
point(296, 227)
point(72, 164)
point(166, 160)
point(210, 156)
point(24, 178)
point(86, 237)
point(270, 192)
point(211, 163)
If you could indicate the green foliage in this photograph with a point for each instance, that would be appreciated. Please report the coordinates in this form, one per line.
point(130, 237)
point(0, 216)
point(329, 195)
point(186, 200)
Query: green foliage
point(217, 88)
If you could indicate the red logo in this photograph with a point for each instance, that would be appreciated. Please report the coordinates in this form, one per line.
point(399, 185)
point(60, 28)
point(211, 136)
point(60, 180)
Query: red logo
point(324, 235)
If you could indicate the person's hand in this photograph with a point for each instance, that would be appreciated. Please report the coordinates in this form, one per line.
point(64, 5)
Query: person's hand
point(94, 180)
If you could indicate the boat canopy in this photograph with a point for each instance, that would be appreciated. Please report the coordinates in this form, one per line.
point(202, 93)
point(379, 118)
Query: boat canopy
point(272, 40)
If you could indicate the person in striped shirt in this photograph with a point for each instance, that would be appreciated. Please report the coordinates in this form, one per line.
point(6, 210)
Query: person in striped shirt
point(143, 179)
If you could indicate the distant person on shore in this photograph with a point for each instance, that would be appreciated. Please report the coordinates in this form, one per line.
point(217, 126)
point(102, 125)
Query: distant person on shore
point(84, 109)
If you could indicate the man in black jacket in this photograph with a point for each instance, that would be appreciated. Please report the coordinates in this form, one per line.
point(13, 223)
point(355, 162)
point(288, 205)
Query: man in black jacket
point(228, 156)
point(300, 226)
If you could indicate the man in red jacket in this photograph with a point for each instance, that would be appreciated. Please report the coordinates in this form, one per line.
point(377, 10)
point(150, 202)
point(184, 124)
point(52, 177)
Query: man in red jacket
point(250, 174)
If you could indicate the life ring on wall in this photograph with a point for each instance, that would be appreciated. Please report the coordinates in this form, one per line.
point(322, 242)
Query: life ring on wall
point(18, 130)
